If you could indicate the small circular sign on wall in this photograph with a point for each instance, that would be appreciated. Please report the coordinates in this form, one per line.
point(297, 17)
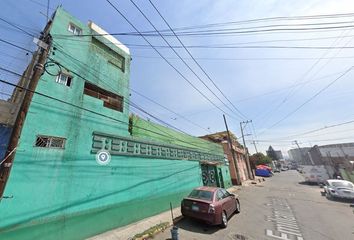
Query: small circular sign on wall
point(103, 157)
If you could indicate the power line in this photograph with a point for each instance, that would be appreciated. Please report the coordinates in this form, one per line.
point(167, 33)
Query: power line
point(196, 62)
point(15, 45)
point(206, 33)
point(293, 90)
point(164, 107)
point(248, 59)
point(17, 27)
point(179, 56)
point(168, 62)
point(264, 26)
point(310, 99)
point(309, 17)
point(215, 45)
point(322, 128)
point(96, 113)
point(130, 89)
point(89, 69)
point(281, 18)
point(129, 103)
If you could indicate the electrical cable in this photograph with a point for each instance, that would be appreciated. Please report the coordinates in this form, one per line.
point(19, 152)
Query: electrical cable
point(129, 103)
point(179, 56)
point(100, 114)
point(293, 90)
point(130, 89)
point(232, 33)
point(310, 99)
point(89, 69)
point(15, 26)
point(168, 62)
point(195, 61)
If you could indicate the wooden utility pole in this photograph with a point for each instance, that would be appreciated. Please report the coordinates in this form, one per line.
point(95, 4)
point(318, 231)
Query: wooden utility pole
point(249, 170)
point(255, 146)
point(302, 154)
point(232, 152)
point(43, 51)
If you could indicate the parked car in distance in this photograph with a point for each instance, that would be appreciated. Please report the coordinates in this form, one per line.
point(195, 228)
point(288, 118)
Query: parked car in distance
point(315, 174)
point(335, 188)
point(210, 204)
point(284, 168)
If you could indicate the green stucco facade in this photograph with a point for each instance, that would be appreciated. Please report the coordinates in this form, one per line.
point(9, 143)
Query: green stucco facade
point(149, 130)
point(64, 193)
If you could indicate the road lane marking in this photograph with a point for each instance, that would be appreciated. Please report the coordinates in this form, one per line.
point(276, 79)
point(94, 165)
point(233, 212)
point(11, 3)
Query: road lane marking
point(285, 224)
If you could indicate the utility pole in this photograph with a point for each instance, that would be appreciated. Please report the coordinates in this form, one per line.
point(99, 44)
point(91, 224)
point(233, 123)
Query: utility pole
point(232, 152)
point(302, 154)
point(249, 170)
point(255, 146)
point(44, 44)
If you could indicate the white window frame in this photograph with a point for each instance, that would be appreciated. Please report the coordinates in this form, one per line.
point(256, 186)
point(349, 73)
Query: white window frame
point(59, 80)
point(74, 29)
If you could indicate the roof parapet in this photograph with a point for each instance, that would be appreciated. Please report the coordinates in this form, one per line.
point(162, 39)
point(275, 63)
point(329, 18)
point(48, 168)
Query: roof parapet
point(109, 37)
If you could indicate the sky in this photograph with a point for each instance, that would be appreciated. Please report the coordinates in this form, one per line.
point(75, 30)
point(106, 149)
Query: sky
point(286, 92)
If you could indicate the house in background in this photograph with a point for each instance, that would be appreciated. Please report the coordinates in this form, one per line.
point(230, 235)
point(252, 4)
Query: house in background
point(300, 156)
point(274, 154)
point(239, 164)
point(58, 188)
point(338, 159)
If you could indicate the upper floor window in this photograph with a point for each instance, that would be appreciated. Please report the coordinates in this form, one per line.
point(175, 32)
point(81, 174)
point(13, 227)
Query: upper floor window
point(64, 79)
point(110, 100)
point(74, 29)
point(115, 60)
point(50, 142)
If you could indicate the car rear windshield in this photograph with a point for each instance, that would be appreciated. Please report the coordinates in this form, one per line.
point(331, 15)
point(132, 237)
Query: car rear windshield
point(200, 194)
point(342, 184)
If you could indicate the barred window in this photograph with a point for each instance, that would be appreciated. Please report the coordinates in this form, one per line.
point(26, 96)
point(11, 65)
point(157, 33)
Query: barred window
point(50, 142)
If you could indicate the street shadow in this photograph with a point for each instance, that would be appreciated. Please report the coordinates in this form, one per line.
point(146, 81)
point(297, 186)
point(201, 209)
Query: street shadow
point(197, 226)
point(342, 200)
point(308, 183)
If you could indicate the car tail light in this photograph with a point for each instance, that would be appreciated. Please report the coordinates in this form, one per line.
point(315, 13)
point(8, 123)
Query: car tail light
point(211, 208)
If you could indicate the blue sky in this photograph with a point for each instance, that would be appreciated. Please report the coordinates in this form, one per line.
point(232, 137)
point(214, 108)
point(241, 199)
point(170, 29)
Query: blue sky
point(254, 84)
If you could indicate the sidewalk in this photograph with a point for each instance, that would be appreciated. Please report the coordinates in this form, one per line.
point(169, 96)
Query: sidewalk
point(129, 231)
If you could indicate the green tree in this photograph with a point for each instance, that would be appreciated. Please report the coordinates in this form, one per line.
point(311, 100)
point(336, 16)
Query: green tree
point(260, 158)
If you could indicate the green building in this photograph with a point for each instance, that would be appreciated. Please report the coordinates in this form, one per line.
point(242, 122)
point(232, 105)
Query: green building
point(58, 188)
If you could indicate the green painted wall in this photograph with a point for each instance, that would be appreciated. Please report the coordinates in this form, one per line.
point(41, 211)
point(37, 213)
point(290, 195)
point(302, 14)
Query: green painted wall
point(226, 176)
point(64, 193)
point(152, 131)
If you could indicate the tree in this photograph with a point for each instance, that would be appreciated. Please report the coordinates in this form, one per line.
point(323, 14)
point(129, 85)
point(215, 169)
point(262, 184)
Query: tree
point(259, 158)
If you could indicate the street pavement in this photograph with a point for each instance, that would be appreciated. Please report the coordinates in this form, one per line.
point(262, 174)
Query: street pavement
point(281, 208)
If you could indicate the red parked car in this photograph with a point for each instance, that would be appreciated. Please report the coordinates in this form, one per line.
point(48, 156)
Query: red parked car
point(210, 204)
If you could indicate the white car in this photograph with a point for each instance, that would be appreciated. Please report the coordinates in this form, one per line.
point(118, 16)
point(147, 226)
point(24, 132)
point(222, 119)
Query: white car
point(335, 188)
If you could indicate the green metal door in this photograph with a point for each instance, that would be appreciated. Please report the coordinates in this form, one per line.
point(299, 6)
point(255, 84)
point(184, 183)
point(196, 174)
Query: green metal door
point(209, 175)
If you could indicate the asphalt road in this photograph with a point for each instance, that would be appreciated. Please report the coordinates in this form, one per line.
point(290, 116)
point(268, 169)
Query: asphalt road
point(281, 208)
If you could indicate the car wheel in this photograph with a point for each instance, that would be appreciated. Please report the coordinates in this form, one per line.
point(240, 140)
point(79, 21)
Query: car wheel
point(329, 196)
point(223, 219)
point(238, 206)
